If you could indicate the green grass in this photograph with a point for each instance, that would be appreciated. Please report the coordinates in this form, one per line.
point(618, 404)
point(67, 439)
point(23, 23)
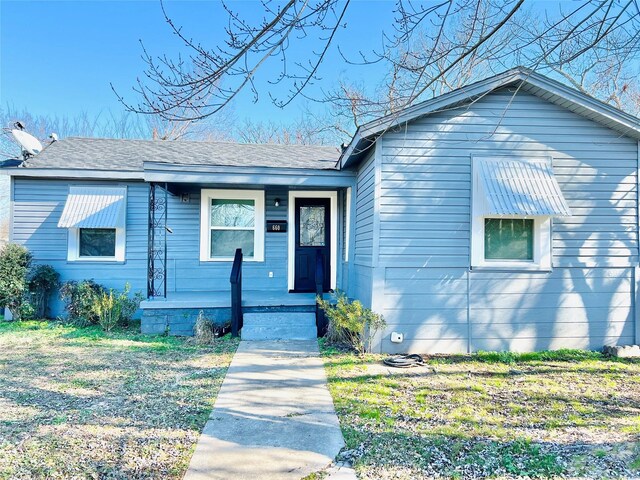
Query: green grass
point(81, 403)
point(560, 414)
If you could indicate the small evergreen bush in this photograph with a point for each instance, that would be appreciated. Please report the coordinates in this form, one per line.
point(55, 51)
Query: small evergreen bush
point(350, 323)
point(42, 281)
point(15, 261)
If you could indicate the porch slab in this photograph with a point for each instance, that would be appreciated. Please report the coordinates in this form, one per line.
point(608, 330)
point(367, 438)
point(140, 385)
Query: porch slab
point(250, 298)
point(273, 419)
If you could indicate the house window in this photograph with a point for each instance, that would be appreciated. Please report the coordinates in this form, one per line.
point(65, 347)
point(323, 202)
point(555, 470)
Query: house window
point(508, 239)
point(514, 200)
point(232, 219)
point(97, 242)
point(95, 217)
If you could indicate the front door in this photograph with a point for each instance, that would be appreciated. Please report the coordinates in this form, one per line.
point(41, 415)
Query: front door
point(312, 237)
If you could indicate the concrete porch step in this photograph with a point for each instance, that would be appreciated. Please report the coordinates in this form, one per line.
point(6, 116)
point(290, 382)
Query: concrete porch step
point(279, 326)
point(279, 318)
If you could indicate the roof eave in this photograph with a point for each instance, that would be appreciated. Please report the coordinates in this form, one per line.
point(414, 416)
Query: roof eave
point(73, 173)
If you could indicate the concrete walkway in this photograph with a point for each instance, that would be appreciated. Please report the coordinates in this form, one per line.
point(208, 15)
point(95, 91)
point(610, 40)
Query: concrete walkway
point(273, 418)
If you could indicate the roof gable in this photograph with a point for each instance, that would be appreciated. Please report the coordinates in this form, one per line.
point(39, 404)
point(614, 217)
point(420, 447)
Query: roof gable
point(526, 80)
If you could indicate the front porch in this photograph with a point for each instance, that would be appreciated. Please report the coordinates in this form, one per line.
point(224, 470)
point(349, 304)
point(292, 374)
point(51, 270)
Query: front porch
point(250, 299)
point(177, 313)
point(194, 228)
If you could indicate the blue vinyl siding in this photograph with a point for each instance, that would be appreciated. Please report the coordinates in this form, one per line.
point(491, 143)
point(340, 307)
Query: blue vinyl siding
point(430, 294)
point(364, 198)
point(39, 204)
point(361, 272)
point(187, 273)
point(37, 208)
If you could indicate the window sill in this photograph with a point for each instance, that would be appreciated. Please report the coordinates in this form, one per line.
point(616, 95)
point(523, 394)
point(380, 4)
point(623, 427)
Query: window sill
point(100, 261)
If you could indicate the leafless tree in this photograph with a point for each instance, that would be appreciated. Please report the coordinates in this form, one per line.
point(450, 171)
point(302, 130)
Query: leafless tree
point(110, 125)
point(606, 71)
point(428, 49)
point(308, 129)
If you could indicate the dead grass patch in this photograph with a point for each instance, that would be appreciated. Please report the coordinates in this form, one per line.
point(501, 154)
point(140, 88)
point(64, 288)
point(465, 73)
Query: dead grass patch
point(80, 403)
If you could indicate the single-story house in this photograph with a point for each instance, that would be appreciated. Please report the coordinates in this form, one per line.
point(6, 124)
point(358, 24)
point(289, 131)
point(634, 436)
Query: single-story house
point(500, 216)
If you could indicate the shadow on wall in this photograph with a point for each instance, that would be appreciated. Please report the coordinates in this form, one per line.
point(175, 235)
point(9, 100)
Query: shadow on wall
point(585, 302)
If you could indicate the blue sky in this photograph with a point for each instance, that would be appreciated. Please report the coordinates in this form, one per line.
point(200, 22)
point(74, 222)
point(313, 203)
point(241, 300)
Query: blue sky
point(58, 57)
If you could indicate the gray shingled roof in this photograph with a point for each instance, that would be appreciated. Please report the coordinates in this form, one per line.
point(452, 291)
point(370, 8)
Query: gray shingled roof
point(129, 155)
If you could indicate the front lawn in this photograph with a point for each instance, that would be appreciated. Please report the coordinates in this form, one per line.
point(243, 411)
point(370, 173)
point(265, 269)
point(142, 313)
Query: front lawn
point(560, 415)
point(80, 403)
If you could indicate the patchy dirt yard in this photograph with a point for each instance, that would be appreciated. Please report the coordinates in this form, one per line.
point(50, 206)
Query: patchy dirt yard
point(79, 403)
point(555, 414)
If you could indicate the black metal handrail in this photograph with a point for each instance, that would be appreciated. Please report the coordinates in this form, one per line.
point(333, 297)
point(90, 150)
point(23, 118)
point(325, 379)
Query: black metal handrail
point(236, 293)
point(321, 323)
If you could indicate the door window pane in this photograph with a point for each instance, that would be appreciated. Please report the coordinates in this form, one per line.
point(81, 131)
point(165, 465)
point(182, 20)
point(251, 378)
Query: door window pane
point(97, 242)
point(312, 227)
point(508, 239)
point(225, 242)
point(232, 213)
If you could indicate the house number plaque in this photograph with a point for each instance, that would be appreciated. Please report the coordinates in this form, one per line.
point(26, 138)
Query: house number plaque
point(277, 226)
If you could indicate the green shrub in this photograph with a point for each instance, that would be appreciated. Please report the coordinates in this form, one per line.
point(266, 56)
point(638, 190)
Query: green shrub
point(114, 308)
point(350, 323)
point(79, 298)
point(15, 261)
point(42, 280)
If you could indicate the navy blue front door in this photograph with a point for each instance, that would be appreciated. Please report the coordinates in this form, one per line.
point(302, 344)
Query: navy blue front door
point(312, 237)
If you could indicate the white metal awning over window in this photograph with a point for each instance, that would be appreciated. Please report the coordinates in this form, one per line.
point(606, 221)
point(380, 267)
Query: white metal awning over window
point(94, 207)
point(520, 187)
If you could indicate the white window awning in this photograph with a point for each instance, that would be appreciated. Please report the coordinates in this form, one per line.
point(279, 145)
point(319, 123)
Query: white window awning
point(94, 207)
point(520, 187)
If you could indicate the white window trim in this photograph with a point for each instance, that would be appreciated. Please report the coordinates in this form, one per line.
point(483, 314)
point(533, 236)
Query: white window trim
point(73, 250)
point(541, 234)
point(333, 203)
point(205, 222)
point(347, 229)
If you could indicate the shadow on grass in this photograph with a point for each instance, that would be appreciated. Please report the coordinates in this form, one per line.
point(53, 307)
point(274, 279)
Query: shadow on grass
point(131, 397)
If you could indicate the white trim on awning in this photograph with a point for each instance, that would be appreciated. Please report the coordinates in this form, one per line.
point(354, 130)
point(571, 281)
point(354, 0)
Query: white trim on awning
point(94, 207)
point(520, 187)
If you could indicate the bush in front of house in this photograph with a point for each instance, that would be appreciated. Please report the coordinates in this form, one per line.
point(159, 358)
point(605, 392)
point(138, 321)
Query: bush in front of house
point(15, 261)
point(89, 303)
point(114, 308)
point(350, 323)
point(42, 281)
point(80, 298)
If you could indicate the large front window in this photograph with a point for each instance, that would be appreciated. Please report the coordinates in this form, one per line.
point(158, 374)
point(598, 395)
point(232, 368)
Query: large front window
point(233, 225)
point(232, 219)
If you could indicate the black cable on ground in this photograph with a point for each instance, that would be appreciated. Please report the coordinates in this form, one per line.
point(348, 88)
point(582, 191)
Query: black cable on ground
point(404, 361)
